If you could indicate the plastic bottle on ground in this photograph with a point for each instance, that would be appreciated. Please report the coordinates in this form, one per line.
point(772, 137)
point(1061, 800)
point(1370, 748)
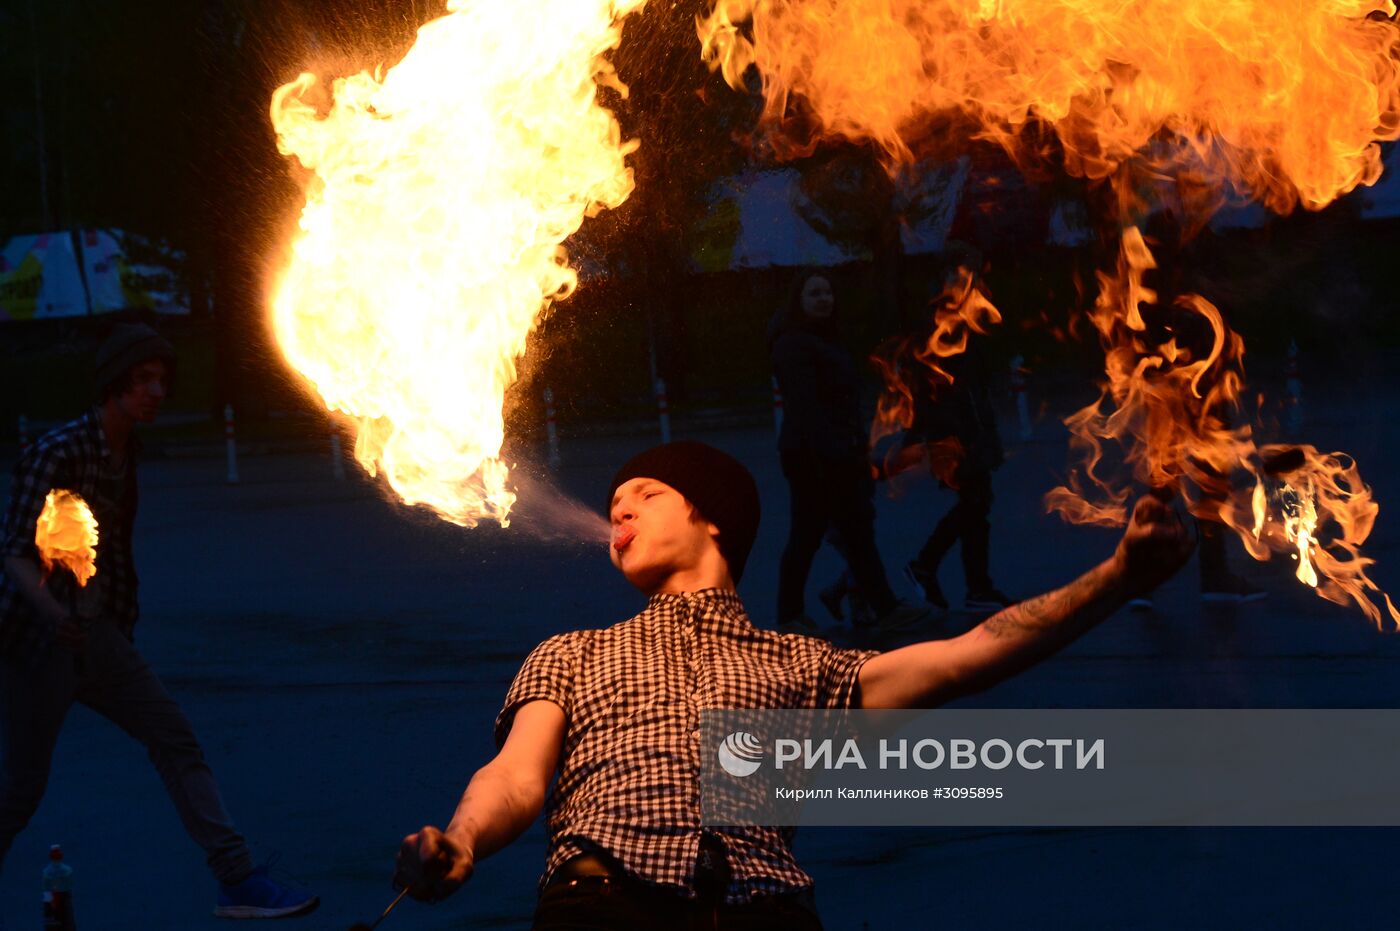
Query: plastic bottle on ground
point(58, 893)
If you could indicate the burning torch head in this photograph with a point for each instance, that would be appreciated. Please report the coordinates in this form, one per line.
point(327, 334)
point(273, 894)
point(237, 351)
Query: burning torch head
point(718, 485)
point(1283, 461)
point(66, 535)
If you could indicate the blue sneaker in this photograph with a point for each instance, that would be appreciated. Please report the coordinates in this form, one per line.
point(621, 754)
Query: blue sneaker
point(261, 896)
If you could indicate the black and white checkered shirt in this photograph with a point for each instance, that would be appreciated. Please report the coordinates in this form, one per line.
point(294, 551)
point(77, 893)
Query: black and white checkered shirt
point(629, 777)
point(72, 457)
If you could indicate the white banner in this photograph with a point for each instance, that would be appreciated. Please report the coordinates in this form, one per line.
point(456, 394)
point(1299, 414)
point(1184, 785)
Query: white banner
point(117, 283)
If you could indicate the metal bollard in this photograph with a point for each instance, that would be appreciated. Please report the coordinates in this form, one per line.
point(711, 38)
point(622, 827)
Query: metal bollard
point(231, 446)
point(337, 456)
point(551, 429)
point(777, 408)
point(1018, 391)
point(663, 410)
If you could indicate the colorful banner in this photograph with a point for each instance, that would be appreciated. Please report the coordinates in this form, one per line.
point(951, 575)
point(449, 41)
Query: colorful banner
point(39, 278)
point(116, 281)
point(94, 272)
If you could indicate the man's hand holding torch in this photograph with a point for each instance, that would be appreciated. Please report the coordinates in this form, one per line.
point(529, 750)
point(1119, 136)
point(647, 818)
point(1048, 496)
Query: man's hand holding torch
point(432, 865)
point(1156, 544)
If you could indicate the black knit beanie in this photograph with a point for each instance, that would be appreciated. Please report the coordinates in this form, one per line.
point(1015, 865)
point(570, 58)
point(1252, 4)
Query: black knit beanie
point(129, 345)
point(719, 486)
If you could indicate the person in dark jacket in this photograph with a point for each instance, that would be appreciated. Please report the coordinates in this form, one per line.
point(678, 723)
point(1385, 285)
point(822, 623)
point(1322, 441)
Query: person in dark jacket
point(824, 452)
point(955, 423)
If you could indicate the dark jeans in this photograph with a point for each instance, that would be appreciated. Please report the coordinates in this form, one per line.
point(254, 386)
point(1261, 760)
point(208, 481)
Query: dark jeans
point(836, 495)
point(605, 904)
point(967, 522)
point(112, 679)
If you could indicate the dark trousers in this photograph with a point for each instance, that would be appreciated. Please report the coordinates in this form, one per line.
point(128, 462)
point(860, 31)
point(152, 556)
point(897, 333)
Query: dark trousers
point(836, 495)
point(112, 679)
point(604, 904)
point(1215, 569)
point(966, 522)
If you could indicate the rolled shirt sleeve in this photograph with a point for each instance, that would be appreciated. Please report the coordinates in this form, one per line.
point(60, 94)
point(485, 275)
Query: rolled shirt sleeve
point(838, 671)
point(546, 675)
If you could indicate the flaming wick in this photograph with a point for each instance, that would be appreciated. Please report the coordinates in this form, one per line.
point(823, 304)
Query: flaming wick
point(1300, 523)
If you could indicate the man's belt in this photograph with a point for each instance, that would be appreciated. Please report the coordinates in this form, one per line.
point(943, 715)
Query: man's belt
point(586, 866)
point(712, 871)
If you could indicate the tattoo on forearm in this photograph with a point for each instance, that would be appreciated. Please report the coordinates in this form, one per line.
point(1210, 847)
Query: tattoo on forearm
point(1047, 610)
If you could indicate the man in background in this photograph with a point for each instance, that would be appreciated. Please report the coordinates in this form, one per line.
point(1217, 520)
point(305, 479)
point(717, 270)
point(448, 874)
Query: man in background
point(52, 655)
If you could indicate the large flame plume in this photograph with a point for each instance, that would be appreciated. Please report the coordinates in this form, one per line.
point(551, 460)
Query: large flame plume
point(66, 535)
point(1179, 105)
point(1286, 98)
point(431, 240)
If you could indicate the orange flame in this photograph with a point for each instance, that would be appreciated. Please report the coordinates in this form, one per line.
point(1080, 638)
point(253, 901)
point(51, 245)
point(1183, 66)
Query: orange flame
point(1285, 98)
point(1185, 105)
point(1318, 509)
point(1169, 408)
point(1153, 403)
point(431, 240)
point(961, 309)
point(66, 535)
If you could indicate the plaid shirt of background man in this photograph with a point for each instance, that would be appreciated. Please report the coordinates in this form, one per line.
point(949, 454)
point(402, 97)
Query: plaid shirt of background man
point(70, 457)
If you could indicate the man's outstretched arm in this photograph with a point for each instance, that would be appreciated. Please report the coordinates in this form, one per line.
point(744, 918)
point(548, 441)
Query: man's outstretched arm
point(501, 801)
point(925, 675)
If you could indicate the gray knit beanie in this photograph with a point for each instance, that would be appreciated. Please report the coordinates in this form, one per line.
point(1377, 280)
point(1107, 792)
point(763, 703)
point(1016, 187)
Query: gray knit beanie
point(129, 345)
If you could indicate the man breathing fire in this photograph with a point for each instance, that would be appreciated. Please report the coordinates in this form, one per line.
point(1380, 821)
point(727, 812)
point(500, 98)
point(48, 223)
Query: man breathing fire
point(616, 711)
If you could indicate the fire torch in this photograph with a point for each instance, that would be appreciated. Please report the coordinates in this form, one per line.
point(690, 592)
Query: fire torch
point(66, 537)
